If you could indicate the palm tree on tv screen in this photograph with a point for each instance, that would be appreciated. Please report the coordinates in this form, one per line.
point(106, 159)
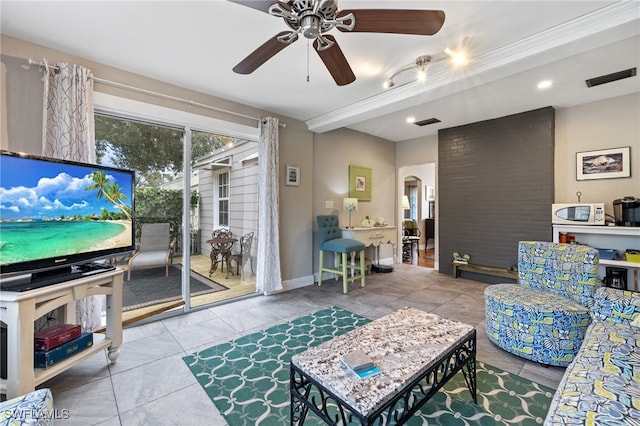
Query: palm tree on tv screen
point(110, 191)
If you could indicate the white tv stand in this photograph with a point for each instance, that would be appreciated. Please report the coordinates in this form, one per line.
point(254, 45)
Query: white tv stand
point(19, 310)
point(607, 237)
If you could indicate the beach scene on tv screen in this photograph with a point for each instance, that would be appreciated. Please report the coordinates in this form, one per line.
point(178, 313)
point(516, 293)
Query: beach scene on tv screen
point(50, 209)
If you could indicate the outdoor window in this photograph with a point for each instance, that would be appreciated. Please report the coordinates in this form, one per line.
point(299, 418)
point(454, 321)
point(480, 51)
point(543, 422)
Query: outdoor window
point(223, 198)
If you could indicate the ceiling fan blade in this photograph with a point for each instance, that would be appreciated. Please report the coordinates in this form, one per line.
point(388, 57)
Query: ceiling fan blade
point(395, 21)
point(261, 5)
point(263, 53)
point(335, 61)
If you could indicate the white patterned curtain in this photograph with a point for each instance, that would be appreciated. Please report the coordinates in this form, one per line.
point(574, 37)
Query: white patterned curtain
point(268, 277)
point(68, 134)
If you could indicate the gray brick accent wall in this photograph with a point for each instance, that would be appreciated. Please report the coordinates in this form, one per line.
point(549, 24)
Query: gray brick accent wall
point(495, 188)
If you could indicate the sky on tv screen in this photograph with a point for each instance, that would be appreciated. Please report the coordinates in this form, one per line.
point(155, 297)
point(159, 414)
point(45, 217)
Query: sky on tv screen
point(36, 189)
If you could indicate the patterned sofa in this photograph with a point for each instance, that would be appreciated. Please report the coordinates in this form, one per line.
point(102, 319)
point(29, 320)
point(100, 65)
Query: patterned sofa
point(544, 317)
point(34, 408)
point(602, 384)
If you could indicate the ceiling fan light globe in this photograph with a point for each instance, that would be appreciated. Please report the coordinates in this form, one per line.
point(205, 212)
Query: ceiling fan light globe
point(311, 26)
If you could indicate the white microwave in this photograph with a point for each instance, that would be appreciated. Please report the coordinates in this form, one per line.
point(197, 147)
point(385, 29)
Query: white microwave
point(578, 214)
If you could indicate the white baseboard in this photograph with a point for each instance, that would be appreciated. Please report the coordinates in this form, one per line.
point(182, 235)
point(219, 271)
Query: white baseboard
point(312, 279)
point(298, 282)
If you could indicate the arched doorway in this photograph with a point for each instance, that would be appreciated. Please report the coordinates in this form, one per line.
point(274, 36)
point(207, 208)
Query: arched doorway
point(416, 189)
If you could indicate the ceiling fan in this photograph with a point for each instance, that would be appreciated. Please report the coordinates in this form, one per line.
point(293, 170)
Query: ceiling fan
point(315, 18)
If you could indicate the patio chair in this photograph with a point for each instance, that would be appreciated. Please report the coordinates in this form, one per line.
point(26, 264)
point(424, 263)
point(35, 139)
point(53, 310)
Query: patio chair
point(245, 253)
point(221, 242)
point(155, 249)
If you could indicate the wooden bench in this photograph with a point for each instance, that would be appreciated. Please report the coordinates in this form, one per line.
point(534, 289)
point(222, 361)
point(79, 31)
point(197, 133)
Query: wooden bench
point(482, 269)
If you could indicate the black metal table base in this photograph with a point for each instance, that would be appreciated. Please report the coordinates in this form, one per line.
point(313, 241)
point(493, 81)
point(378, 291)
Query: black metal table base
point(307, 394)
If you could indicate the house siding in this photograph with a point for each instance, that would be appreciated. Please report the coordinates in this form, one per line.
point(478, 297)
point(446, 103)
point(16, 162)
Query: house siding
point(243, 196)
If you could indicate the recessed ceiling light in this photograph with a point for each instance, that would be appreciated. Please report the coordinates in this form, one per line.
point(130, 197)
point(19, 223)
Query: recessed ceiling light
point(544, 84)
point(411, 120)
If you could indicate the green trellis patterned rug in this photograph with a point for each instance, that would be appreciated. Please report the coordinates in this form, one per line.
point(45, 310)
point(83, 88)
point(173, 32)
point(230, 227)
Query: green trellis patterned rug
point(248, 379)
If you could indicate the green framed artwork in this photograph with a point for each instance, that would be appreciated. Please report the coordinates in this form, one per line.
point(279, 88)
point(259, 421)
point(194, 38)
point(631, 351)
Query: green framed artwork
point(360, 183)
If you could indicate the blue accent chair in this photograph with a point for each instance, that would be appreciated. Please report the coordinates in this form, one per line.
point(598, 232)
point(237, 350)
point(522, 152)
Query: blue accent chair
point(544, 317)
point(330, 240)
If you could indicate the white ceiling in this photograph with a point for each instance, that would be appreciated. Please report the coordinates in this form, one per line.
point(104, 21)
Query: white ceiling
point(512, 45)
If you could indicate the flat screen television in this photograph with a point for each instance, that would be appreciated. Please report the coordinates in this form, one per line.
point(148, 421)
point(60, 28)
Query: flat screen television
point(56, 214)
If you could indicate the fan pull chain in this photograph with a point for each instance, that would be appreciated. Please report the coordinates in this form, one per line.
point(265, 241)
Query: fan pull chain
point(307, 60)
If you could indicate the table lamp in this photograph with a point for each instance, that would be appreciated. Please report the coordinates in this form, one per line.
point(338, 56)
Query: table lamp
point(405, 202)
point(350, 205)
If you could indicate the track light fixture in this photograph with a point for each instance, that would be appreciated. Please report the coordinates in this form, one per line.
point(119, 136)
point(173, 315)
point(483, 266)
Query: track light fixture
point(419, 66)
point(458, 58)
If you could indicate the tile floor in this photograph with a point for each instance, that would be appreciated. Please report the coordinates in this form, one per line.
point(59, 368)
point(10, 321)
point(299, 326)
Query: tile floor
point(150, 384)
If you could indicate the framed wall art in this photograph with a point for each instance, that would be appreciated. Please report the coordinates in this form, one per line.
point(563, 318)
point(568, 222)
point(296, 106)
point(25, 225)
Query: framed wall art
point(429, 193)
point(360, 183)
point(292, 175)
point(603, 164)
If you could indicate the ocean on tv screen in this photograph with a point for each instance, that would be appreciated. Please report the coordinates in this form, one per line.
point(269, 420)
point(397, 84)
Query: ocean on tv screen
point(24, 241)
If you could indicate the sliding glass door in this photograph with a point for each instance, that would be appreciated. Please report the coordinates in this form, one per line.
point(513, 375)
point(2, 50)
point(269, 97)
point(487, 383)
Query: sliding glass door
point(225, 175)
point(213, 189)
point(155, 152)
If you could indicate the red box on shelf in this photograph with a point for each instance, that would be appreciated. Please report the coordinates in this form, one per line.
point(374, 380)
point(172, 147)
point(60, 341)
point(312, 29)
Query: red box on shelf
point(55, 336)
point(45, 359)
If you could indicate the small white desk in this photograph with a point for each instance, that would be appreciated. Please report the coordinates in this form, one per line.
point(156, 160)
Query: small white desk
point(374, 236)
point(18, 310)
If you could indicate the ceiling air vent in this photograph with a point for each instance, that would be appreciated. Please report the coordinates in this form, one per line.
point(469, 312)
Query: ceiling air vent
point(427, 121)
point(596, 81)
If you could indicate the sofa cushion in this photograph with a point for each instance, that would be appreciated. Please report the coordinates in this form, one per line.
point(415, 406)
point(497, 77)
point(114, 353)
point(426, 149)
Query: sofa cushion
point(617, 306)
point(602, 385)
point(342, 245)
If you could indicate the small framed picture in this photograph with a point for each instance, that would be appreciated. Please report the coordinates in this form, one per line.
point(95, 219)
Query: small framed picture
point(603, 164)
point(360, 183)
point(292, 174)
point(429, 193)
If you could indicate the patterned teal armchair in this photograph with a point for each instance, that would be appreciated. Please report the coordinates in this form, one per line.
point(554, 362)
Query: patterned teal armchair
point(544, 317)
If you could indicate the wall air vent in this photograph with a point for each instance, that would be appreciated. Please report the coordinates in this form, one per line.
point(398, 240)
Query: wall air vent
point(596, 81)
point(427, 121)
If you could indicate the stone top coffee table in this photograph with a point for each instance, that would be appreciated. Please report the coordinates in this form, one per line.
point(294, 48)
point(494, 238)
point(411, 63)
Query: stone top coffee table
point(417, 353)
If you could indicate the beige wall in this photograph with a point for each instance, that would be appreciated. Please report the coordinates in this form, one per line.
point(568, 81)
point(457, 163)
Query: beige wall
point(610, 123)
point(333, 152)
point(417, 151)
point(296, 142)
